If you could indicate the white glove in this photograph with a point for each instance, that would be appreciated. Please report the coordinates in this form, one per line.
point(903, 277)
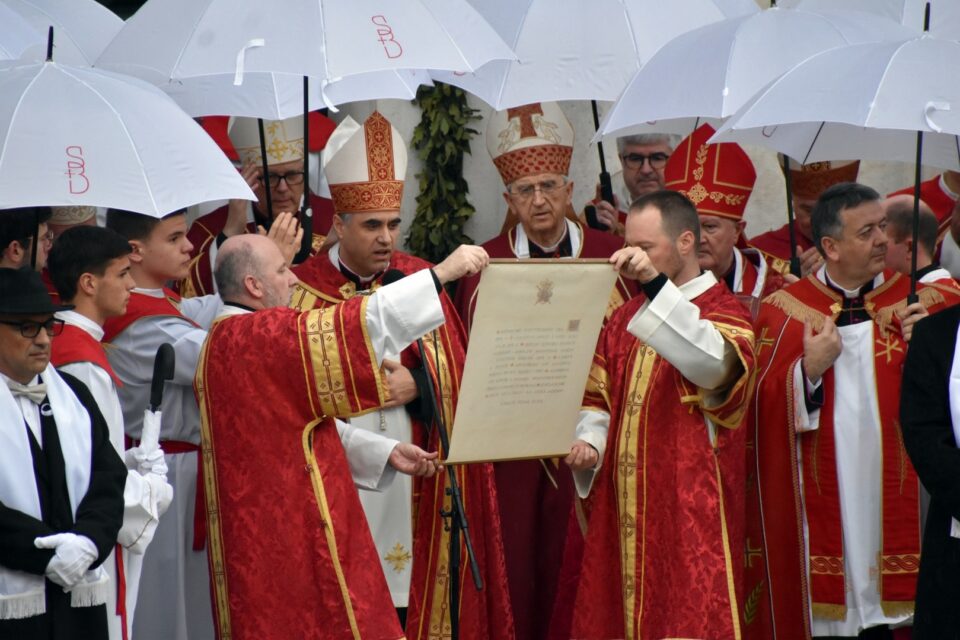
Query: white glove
point(73, 557)
point(146, 463)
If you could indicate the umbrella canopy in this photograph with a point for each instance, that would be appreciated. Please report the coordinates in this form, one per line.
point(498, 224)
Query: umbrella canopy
point(81, 136)
point(862, 101)
point(323, 39)
point(16, 34)
point(277, 96)
point(84, 27)
point(725, 63)
point(910, 13)
point(578, 49)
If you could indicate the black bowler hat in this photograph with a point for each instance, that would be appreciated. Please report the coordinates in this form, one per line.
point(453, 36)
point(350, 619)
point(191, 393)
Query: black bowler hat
point(22, 292)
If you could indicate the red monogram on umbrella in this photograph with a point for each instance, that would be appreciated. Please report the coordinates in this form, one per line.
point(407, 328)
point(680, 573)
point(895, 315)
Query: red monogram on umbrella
point(76, 170)
point(392, 48)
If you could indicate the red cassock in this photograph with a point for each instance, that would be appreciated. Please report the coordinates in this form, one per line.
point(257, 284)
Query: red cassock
point(663, 555)
point(777, 590)
point(536, 497)
point(290, 555)
point(775, 246)
point(205, 229)
point(485, 614)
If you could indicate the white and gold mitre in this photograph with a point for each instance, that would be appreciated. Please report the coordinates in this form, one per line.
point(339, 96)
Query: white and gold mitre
point(284, 139)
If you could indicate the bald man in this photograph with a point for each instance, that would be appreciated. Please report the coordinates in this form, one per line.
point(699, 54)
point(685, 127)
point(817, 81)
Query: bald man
point(899, 212)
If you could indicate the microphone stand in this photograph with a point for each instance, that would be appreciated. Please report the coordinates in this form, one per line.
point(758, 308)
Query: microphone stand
point(455, 520)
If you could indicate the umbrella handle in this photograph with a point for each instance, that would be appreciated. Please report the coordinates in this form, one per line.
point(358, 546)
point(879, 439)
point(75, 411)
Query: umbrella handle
point(928, 111)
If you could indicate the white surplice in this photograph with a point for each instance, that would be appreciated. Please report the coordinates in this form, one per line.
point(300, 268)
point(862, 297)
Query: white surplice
point(145, 497)
point(856, 422)
point(174, 599)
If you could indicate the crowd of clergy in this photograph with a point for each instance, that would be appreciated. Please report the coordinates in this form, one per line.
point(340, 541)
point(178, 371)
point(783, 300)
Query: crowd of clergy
point(760, 453)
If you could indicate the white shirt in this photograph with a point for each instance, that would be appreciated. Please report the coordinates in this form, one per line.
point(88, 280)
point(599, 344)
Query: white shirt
point(29, 409)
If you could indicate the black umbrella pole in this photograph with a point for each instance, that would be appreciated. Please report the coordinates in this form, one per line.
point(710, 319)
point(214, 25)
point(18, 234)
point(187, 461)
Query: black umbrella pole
point(916, 222)
point(606, 184)
point(306, 214)
point(788, 183)
point(265, 179)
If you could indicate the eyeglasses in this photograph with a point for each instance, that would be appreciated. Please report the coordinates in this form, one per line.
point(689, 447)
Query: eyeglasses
point(31, 329)
point(292, 178)
point(526, 191)
point(47, 237)
point(636, 160)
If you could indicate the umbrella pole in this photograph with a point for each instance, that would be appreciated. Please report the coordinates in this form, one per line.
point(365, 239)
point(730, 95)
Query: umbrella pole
point(606, 186)
point(913, 297)
point(266, 175)
point(916, 222)
point(306, 213)
point(36, 238)
point(788, 183)
point(50, 44)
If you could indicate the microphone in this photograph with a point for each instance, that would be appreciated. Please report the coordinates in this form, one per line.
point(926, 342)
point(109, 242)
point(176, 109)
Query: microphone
point(392, 275)
point(162, 371)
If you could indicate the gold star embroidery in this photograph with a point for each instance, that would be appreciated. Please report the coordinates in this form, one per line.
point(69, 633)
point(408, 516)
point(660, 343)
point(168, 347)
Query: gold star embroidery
point(398, 557)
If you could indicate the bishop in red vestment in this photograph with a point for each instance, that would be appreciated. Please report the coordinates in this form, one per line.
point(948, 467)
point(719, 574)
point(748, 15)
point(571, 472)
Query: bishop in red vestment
point(284, 142)
point(531, 147)
point(718, 179)
point(364, 168)
point(660, 447)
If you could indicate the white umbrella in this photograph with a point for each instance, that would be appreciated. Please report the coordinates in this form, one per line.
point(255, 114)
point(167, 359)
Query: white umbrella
point(81, 136)
point(579, 49)
point(16, 34)
point(277, 96)
point(84, 27)
point(323, 39)
point(876, 100)
point(945, 21)
point(862, 101)
point(722, 65)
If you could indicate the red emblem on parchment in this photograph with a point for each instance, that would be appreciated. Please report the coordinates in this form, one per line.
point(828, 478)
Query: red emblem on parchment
point(385, 35)
point(77, 180)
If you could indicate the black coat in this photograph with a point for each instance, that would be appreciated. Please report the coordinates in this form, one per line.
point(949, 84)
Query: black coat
point(99, 516)
point(928, 437)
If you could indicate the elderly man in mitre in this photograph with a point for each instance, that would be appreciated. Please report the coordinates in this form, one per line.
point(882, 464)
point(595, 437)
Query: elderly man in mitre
point(718, 179)
point(531, 147)
point(286, 182)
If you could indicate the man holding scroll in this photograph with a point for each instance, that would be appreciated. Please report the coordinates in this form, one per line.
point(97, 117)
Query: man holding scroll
point(659, 436)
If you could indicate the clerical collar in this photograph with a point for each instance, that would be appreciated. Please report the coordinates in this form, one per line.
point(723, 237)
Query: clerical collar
point(562, 249)
point(359, 282)
point(229, 303)
point(853, 309)
point(933, 266)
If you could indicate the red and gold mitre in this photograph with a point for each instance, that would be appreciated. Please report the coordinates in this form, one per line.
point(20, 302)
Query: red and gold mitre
point(365, 166)
point(717, 178)
point(808, 181)
point(530, 140)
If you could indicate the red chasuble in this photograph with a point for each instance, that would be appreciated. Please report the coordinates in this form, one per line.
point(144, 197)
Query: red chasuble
point(484, 614)
point(76, 345)
point(776, 577)
point(204, 231)
point(775, 246)
point(290, 555)
point(664, 554)
point(536, 497)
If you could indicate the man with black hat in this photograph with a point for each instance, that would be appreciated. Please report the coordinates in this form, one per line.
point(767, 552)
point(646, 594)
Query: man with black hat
point(61, 482)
